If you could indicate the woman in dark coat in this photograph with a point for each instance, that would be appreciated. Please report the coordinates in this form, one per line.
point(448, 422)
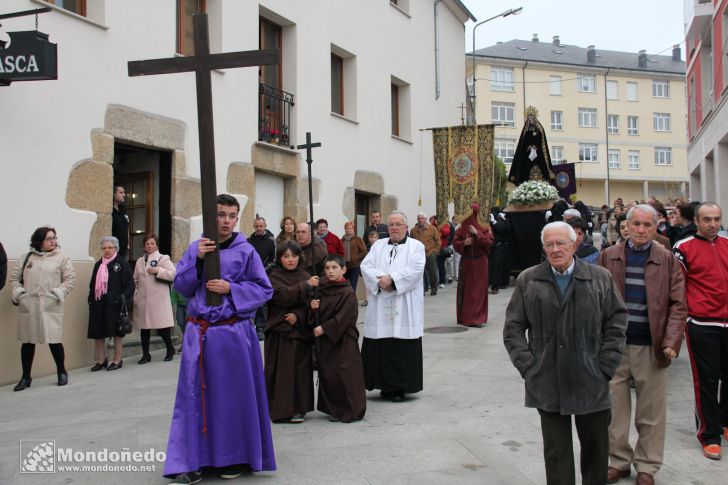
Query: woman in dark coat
point(288, 366)
point(586, 215)
point(111, 278)
point(499, 264)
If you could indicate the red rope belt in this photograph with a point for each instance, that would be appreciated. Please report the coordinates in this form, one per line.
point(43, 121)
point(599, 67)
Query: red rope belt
point(204, 325)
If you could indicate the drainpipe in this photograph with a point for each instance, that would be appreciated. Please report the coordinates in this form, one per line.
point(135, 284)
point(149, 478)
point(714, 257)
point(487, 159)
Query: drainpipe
point(606, 131)
point(437, 50)
point(523, 79)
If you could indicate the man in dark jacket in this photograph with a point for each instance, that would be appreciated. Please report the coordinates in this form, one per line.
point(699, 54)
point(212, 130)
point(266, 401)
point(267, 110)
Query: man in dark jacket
point(120, 222)
point(263, 241)
point(377, 226)
point(265, 245)
point(650, 280)
point(565, 331)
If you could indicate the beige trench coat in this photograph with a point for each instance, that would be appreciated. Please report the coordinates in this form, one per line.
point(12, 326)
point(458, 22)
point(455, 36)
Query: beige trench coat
point(48, 279)
point(152, 306)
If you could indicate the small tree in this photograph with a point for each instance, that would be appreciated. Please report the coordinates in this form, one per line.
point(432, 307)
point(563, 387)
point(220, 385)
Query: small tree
point(500, 183)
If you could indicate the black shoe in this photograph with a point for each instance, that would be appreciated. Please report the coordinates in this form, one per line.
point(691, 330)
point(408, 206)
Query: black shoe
point(98, 366)
point(397, 397)
point(297, 418)
point(114, 365)
point(145, 359)
point(179, 350)
point(169, 356)
point(22, 384)
point(62, 379)
point(187, 478)
point(433, 292)
point(230, 472)
point(386, 394)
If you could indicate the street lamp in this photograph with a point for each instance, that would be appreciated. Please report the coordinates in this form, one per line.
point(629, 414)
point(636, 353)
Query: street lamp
point(510, 11)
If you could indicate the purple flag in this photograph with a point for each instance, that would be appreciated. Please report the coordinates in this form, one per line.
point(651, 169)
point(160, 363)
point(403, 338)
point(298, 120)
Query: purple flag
point(565, 181)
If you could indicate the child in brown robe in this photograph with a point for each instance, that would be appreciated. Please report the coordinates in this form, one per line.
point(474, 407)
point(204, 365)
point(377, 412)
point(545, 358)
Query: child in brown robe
point(341, 392)
point(288, 369)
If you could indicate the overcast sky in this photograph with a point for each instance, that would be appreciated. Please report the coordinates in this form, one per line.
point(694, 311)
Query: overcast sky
point(619, 25)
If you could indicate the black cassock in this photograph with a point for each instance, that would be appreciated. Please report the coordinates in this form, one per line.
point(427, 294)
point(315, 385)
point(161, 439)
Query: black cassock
point(532, 160)
point(499, 265)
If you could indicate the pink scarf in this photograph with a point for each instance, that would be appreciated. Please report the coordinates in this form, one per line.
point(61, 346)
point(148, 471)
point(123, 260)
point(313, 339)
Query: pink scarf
point(102, 277)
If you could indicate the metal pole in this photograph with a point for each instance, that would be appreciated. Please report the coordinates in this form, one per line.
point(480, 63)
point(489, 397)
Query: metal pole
point(510, 11)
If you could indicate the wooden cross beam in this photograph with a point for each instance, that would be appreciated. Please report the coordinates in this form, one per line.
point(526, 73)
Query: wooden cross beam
point(201, 64)
point(309, 160)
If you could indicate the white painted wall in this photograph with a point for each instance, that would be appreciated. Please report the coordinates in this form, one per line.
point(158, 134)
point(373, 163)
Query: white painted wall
point(269, 199)
point(47, 125)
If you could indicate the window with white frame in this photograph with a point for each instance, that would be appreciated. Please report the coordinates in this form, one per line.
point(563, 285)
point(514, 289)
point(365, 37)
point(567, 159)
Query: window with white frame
point(633, 125)
point(502, 113)
point(660, 89)
point(588, 152)
point(661, 121)
point(663, 156)
point(501, 79)
point(631, 88)
point(613, 157)
point(555, 85)
point(588, 117)
point(557, 155)
point(612, 90)
point(634, 159)
point(504, 149)
point(586, 83)
point(557, 120)
point(613, 124)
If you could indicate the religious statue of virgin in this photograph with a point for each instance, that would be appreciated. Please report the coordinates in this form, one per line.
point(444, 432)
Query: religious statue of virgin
point(532, 160)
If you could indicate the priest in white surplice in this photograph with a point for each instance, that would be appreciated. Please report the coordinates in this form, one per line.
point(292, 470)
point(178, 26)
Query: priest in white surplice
point(392, 347)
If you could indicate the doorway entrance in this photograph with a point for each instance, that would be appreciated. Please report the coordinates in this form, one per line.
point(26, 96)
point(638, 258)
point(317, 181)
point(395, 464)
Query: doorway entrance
point(146, 176)
point(364, 204)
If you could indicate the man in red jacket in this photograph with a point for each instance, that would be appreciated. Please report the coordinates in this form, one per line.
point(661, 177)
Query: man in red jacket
point(704, 259)
point(653, 287)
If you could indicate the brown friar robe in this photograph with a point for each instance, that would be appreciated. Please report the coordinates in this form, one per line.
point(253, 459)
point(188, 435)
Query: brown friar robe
point(288, 368)
point(341, 391)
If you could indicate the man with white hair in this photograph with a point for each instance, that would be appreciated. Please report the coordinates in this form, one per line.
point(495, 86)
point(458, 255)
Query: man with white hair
point(564, 332)
point(395, 321)
point(650, 280)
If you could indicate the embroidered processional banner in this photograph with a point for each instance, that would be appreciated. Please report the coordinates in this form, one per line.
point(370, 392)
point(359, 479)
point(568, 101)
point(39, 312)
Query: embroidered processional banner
point(464, 164)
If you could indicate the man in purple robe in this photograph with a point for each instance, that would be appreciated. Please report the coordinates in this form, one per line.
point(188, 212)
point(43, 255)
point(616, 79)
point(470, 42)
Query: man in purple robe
point(220, 417)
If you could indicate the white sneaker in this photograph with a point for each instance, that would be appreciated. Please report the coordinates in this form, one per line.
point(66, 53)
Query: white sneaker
point(441, 285)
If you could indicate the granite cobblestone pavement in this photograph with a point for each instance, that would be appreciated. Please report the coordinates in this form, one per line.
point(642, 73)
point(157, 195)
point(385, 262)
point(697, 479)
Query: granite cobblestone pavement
point(468, 426)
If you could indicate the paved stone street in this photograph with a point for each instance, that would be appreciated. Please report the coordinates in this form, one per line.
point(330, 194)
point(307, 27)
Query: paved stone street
point(468, 426)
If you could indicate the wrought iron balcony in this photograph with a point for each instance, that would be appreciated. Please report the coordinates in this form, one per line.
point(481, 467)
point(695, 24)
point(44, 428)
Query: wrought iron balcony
point(274, 115)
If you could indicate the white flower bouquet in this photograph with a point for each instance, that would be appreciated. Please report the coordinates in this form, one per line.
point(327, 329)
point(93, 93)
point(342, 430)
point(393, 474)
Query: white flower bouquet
point(533, 192)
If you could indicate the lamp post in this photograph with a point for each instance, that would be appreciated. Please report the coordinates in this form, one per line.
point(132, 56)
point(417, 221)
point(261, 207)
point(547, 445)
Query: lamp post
point(510, 11)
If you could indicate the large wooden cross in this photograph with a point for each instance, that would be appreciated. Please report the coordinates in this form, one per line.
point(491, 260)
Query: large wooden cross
point(201, 64)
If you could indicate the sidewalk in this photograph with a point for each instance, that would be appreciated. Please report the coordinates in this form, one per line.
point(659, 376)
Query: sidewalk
point(468, 425)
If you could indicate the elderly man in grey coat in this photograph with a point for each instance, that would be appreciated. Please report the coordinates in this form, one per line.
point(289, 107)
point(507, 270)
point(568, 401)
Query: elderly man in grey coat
point(565, 333)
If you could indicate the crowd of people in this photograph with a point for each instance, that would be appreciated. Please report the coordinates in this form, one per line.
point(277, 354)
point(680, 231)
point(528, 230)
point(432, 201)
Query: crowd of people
point(587, 325)
point(593, 320)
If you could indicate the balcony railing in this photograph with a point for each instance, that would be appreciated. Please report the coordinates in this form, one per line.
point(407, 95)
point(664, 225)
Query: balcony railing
point(274, 115)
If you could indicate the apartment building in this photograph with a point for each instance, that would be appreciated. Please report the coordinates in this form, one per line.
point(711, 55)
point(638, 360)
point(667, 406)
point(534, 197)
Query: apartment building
point(619, 116)
point(706, 36)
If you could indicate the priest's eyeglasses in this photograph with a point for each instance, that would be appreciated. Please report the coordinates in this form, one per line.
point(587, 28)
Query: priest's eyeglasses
point(550, 246)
